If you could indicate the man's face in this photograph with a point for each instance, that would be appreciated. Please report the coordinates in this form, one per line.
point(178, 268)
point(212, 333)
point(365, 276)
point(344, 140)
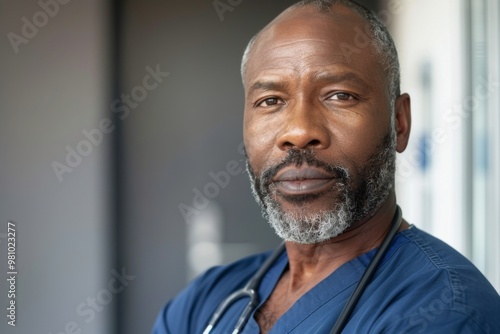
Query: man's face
point(317, 125)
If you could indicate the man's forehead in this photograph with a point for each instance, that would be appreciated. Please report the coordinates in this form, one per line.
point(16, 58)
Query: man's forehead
point(288, 51)
point(304, 37)
point(295, 23)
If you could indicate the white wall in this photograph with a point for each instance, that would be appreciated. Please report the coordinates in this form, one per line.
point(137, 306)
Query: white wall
point(432, 198)
point(449, 198)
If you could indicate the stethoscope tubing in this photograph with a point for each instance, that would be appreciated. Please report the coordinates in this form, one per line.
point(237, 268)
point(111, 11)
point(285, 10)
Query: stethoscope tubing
point(249, 290)
point(368, 274)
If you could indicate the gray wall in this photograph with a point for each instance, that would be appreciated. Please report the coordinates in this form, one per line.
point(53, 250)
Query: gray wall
point(51, 90)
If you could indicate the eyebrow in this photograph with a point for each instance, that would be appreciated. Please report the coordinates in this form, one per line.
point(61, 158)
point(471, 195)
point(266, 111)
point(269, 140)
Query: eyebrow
point(343, 77)
point(321, 76)
point(268, 85)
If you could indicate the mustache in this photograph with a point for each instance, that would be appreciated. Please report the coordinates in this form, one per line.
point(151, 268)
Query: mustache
point(296, 157)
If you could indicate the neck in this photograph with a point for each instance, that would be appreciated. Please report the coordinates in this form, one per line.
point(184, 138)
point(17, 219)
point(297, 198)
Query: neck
point(309, 264)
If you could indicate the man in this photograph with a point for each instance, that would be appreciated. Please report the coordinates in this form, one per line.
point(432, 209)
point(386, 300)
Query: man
point(323, 120)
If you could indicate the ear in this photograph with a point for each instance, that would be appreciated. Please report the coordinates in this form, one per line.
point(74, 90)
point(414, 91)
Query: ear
point(402, 121)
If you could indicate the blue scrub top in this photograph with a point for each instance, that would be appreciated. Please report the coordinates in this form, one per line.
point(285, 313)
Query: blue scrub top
point(421, 286)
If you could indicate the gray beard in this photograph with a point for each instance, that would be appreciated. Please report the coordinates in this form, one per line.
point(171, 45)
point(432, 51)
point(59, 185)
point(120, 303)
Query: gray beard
point(358, 198)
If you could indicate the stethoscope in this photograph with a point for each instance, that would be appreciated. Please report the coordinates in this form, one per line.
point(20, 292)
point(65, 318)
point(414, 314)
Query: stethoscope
point(249, 290)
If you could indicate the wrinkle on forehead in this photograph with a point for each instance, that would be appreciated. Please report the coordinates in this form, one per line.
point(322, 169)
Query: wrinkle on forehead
point(307, 23)
point(305, 37)
point(296, 55)
point(305, 48)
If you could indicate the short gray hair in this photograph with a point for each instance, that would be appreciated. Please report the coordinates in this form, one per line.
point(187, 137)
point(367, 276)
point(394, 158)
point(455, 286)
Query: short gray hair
point(382, 41)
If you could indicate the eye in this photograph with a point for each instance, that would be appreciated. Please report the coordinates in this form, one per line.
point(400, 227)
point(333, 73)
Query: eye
point(341, 96)
point(269, 102)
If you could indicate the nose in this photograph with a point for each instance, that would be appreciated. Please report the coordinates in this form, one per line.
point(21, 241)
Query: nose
point(303, 128)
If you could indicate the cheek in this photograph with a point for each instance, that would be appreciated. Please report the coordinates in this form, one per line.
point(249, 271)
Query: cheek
point(356, 139)
point(259, 137)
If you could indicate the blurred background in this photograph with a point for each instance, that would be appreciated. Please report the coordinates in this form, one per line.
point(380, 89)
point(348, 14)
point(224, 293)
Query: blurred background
point(120, 140)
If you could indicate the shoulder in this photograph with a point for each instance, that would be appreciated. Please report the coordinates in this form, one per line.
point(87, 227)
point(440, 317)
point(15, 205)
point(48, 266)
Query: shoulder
point(436, 289)
point(193, 307)
point(432, 256)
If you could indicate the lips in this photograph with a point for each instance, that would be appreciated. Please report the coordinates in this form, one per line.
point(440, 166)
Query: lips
point(303, 180)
